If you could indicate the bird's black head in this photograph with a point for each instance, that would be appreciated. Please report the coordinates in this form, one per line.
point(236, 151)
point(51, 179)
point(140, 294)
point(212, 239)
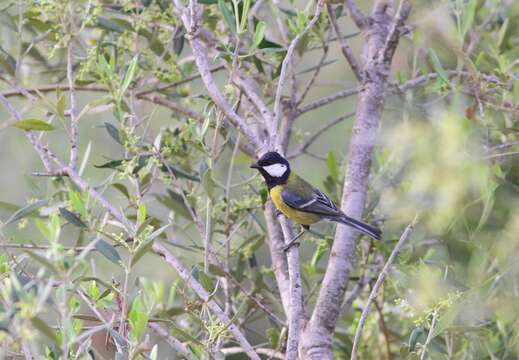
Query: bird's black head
point(274, 168)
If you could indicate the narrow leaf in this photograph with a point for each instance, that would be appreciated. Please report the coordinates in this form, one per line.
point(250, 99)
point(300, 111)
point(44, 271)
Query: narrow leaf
point(72, 218)
point(227, 16)
point(141, 251)
point(259, 34)
point(113, 132)
point(43, 328)
point(468, 16)
point(108, 251)
point(437, 66)
point(33, 124)
point(26, 211)
point(130, 74)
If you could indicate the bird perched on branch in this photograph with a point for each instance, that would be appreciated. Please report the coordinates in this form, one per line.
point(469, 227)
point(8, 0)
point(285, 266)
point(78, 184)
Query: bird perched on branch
point(301, 202)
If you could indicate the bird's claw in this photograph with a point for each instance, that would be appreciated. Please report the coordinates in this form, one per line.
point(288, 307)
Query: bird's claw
point(278, 212)
point(290, 245)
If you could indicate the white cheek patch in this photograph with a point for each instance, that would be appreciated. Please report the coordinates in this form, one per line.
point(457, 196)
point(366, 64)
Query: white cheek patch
point(276, 170)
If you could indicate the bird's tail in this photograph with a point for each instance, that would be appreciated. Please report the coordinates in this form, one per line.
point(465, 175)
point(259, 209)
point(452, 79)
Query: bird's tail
point(364, 228)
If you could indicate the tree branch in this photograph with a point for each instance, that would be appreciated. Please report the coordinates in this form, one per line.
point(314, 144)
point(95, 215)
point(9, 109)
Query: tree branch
point(302, 148)
point(204, 295)
point(189, 19)
point(284, 68)
point(171, 340)
point(296, 311)
point(356, 14)
point(74, 125)
point(346, 50)
point(317, 336)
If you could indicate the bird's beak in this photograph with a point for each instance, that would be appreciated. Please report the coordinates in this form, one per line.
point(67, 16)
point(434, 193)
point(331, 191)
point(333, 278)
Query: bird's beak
point(255, 166)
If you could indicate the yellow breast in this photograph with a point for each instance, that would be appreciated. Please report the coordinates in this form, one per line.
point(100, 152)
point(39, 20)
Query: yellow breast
point(297, 216)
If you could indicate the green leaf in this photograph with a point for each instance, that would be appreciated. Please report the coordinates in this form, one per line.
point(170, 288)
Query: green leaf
point(173, 311)
point(130, 74)
point(112, 164)
point(33, 124)
point(108, 251)
point(60, 107)
point(43, 328)
point(108, 24)
point(72, 218)
point(144, 225)
point(468, 16)
point(227, 16)
point(138, 318)
point(7, 61)
point(8, 206)
point(77, 203)
point(44, 261)
point(141, 251)
point(26, 211)
point(414, 337)
point(141, 213)
point(206, 281)
point(179, 39)
point(244, 15)
point(216, 270)
point(179, 172)
point(259, 34)
point(174, 202)
point(208, 183)
point(113, 132)
point(331, 162)
point(122, 189)
point(437, 66)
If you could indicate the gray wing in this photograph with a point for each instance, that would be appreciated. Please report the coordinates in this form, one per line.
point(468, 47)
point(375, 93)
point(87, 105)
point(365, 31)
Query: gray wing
point(316, 203)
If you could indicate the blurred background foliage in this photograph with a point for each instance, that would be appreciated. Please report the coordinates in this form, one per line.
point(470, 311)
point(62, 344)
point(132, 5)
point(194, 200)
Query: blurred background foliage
point(448, 151)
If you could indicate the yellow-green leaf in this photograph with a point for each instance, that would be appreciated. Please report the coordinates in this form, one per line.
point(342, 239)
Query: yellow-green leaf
point(33, 124)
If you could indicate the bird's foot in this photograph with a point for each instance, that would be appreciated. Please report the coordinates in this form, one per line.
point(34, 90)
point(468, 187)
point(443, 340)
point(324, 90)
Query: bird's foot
point(290, 245)
point(293, 241)
point(278, 212)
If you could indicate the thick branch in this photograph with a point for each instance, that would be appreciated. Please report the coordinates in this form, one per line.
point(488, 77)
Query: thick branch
point(317, 337)
point(296, 311)
point(356, 14)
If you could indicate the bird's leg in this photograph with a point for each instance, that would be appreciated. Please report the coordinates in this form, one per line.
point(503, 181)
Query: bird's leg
point(293, 241)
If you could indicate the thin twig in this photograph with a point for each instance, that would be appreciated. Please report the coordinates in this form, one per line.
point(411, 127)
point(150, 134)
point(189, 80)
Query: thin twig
point(378, 284)
point(74, 126)
point(204, 295)
point(326, 100)
point(346, 50)
point(284, 68)
point(188, 17)
point(429, 335)
point(271, 353)
point(302, 148)
point(171, 340)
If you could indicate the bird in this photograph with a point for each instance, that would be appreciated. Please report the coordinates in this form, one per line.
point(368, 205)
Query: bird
point(301, 202)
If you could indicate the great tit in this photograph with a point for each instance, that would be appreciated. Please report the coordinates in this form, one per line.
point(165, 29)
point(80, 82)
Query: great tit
point(301, 202)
